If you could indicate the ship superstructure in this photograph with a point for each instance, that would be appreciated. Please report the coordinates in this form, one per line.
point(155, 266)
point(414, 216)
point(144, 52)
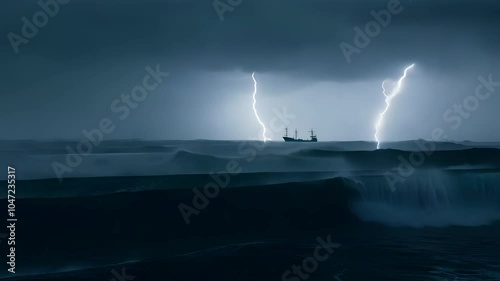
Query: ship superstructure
point(286, 138)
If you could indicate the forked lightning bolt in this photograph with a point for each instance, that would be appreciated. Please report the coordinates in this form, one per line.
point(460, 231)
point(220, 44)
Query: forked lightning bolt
point(264, 138)
point(388, 99)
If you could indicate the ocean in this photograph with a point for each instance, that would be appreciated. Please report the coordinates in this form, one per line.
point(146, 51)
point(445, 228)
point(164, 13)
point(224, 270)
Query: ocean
point(247, 210)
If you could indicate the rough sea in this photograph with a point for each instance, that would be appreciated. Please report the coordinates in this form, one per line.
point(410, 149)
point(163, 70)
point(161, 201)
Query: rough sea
point(247, 210)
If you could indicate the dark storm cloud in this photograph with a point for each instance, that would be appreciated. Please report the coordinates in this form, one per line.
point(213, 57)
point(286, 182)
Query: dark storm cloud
point(92, 51)
point(300, 37)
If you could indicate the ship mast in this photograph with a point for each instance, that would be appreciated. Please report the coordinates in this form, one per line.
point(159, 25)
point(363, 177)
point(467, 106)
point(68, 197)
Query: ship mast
point(295, 133)
point(286, 131)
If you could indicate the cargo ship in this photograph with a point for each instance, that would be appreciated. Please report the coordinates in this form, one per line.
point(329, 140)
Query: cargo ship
point(296, 139)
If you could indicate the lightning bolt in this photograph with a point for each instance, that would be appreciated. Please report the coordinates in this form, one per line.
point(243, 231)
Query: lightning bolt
point(388, 98)
point(264, 138)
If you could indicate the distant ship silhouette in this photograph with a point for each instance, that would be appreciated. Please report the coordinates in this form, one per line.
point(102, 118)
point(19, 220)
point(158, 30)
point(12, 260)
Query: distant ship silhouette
point(295, 139)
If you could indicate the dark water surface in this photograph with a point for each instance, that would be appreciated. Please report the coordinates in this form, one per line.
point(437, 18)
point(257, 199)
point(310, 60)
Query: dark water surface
point(117, 216)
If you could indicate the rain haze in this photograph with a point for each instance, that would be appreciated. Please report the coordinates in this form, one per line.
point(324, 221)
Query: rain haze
point(66, 77)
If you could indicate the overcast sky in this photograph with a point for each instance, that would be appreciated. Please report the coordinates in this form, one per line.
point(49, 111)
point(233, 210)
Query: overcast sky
point(66, 77)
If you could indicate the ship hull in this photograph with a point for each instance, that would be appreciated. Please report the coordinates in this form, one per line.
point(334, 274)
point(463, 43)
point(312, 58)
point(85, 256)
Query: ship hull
point(287, 139)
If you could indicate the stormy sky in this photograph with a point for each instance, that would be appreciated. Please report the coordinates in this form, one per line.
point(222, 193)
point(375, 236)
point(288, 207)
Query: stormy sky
point(66, 77)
